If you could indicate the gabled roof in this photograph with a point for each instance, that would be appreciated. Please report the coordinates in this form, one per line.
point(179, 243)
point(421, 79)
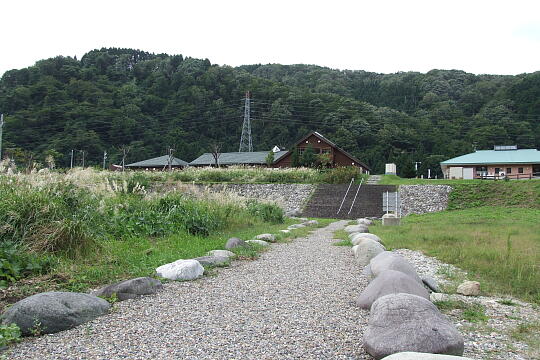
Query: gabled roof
point(320, 136)
point(237, 158)
point(486, 157)
point(159, 162)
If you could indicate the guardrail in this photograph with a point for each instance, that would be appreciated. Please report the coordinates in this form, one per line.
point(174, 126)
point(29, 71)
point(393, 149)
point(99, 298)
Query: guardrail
point(342, 201)
point(354, 200)
point(506, 176)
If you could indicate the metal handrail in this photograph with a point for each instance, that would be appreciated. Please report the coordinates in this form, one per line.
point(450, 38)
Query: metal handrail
point(354, 200)
point(342, 201)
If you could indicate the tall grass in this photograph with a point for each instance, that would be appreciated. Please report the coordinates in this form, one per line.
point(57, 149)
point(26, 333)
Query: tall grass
point(50, 215)
point(243, 174)
point(499, 246)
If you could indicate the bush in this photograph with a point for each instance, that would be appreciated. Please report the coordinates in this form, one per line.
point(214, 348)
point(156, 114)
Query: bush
point(341, 175)
point(266, 212)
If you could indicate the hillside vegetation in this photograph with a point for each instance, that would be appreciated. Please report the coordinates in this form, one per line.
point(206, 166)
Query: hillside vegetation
point(113, 99)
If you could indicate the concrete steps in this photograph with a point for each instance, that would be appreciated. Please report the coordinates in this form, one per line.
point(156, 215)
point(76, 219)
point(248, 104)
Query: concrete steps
point(326, 200)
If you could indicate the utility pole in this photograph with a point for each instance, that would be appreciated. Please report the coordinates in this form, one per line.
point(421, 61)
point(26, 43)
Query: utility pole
point(1, 126)
point(104, 159)
point(82, 152)
point(124, 153)
point(71, 163)
point(170, 159)
point(429, 173)
point(246, 144)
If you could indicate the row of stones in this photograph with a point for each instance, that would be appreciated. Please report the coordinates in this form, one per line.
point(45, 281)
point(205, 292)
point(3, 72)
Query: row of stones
point(403, 322)
point(52, 312)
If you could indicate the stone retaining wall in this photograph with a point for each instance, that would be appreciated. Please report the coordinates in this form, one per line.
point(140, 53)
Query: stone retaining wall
point(290, 197)
point(421, 199)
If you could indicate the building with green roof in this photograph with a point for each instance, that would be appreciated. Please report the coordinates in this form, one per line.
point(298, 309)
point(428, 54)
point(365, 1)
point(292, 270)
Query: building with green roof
point(158, 163)
point(501, 162)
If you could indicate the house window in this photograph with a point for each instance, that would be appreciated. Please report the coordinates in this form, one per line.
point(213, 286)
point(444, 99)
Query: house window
point(497, 171)
point(301, 151)
point(317, 150)
point(325, 151)
point(508, 170)
point(520, 170)
point(481, 170)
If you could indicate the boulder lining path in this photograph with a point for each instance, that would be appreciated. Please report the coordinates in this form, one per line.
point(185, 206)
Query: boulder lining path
point(295, 302)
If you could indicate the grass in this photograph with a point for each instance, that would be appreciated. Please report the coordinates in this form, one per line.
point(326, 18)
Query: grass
point(139, 256)
point(500, 247)
point(507, 302)
point(396, 180)
point(524, 193)
point(473, 313)
point(528, 333)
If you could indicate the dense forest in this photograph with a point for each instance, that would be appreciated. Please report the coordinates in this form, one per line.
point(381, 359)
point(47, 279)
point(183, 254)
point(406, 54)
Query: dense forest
point(121, 99)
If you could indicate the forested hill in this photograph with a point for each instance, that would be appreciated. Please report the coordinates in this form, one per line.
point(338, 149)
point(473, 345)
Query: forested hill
point(116, 98)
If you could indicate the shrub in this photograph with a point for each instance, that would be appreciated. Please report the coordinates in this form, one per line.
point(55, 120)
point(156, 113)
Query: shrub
point(341, 175)
point(267, 212)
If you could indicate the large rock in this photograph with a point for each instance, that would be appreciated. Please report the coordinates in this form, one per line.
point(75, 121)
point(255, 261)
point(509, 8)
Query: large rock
point(234, 243)
point(311, 223)
point(390, 261)
point(295, 226)
point(364, 235)
point(221, 253)
point(405, 322)
point(182, 270)
point(213, 260)
point(356, 228)
point(258, 242)
point(366, 250)
point(469, 288)
point(390, 282)
point(130, 289)
point(364, 221)
point(430, 283)
point(266, 237)
point(423, 356)
point(51, 312)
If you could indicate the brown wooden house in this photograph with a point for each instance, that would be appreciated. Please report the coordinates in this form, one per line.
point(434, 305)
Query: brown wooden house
point(321, 145)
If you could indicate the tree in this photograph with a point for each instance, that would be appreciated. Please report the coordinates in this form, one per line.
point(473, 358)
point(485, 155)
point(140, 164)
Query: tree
point(308, 157)
point(216, 153)
point(270, 158)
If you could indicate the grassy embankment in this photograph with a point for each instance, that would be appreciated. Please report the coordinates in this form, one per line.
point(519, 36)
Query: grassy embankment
point(86, 228)
point(255, 175)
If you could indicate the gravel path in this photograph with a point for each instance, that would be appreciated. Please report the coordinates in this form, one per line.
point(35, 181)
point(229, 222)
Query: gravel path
point(295, 302)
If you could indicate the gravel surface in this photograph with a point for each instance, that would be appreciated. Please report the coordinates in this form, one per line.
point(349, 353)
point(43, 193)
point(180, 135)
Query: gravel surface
point(295, 302)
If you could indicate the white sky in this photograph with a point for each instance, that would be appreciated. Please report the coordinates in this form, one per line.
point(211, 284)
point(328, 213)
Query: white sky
point(478, 36)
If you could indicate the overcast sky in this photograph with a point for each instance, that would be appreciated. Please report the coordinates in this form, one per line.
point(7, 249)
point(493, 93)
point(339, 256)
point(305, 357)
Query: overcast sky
point(495, 37)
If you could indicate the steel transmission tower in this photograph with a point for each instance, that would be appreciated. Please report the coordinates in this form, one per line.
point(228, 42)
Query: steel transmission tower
point(245, 141)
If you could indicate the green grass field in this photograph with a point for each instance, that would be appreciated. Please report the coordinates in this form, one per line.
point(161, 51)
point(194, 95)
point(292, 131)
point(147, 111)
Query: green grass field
point(396, 180)
point(498, 246)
